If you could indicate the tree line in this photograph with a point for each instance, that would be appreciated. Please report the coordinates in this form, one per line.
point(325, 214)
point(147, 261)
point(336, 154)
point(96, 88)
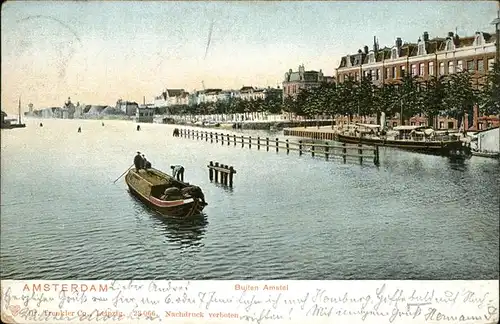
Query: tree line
point(448, 95)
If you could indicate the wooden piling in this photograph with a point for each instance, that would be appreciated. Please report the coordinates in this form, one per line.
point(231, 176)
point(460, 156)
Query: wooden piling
point(287, 146)
point(277, 144)
point(211, 137)
point(242, 141)
point(258, 143)
point(326, 151)
point(376, 160)
point(216, 172)
point(344, 153)
point(222, 138)
point(197, 134)
point(300, 148)
point(231, 172)
point(228, 140)
point(210, 171)
point(249, 141)
point(312, 150)
point(206, 136)
point(267, 144)
point(360, 152)
point(216, 137)
point(234, 138)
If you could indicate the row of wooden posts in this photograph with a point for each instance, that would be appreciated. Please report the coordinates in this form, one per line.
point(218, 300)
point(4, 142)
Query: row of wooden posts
point(226, 173)
point(347, 150)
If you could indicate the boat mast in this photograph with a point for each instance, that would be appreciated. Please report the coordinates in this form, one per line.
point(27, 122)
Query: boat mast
point(19, 109)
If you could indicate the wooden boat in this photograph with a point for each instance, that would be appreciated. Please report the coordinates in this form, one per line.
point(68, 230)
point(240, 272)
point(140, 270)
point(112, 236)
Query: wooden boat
point(411, 138)
point(150, 186)
point(486, 154)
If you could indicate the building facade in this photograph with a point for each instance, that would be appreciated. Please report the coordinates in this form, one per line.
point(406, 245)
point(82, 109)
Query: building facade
point(128, 107)
point(294, 82)
point(172, 97)
point(424, 59)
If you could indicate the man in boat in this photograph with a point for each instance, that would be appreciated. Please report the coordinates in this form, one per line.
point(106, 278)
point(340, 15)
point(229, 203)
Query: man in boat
point(138, 162)
point(178, 172)
point(147, 164)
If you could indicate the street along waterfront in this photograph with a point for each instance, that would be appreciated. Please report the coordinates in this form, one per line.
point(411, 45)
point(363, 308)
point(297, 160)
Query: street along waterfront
point(287, 216)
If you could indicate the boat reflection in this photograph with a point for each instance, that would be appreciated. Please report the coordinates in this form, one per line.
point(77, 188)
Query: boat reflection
point(186, 232)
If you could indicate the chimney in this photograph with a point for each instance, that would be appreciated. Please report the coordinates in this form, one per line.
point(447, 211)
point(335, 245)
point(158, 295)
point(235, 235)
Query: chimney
point(375, 45)
point(360, 51)
point(399, 42)
point(366, 49)
point(426, 36)
point(450, 34)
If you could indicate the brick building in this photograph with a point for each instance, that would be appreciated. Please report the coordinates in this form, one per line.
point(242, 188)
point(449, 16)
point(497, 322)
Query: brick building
point(294, 82)
point(426, 58)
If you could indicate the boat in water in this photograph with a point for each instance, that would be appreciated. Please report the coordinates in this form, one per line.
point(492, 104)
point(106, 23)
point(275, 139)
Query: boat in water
point(164, 193)
point(6, 123)
point(421, 139)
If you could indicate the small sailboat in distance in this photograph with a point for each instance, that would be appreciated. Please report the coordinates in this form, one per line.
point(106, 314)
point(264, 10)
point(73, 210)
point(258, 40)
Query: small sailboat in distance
point(6, 123)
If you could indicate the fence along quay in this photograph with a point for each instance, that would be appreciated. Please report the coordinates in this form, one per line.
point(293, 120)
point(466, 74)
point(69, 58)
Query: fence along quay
point(343, 150)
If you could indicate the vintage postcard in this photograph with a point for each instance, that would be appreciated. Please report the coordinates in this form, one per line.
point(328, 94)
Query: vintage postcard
point(250, 161)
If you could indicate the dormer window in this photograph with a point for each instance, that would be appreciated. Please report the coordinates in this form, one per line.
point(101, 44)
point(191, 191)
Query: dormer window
point(348, 61)
point(478, 40)
point(394, 53)
point(450, 46)
point(371, 57)
point(421, 48)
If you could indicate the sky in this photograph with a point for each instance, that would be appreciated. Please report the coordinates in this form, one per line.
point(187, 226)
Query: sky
point(97, 52)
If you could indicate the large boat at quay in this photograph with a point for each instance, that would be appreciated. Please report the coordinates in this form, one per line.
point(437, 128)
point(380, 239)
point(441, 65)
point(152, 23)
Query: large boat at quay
point(165, 194)
point(421, 139)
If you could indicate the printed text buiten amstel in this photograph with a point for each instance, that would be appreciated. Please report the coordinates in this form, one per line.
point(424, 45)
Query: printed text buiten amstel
point(264, 287)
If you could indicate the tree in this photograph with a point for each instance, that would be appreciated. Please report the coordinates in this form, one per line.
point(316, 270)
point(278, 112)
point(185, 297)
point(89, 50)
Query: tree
point(489, 95)
point(460, 96)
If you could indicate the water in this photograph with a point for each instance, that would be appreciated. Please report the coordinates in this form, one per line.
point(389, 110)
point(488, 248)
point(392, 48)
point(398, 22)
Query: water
point(414, 217)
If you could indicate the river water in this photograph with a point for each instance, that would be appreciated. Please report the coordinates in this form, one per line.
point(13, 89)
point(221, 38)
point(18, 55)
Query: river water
point(287, 217)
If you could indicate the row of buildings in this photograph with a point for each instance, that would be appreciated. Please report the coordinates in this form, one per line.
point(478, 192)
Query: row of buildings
point(426, 58)
point(172, 97)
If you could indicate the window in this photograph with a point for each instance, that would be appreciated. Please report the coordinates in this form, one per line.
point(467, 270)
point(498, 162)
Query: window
point(480, 126)
point(470, 66)
point(441, 125)
point(356, 76)
point(421, 48)
point(365, 74)
point(387, 72)
point(460, 66)
point(377, 74)
point(372, 74)
point(394, 72)
point(422, 124)
point(441, 68)
point(450, 67)
point(450, 46)
point(490, 64)
point(480, 66)
point(402, 70)
point(413, 69)
point(394, 53)
point(421, 69)
point(371, 58)
point(431, 68)
point(412, 123)
point(478, 40)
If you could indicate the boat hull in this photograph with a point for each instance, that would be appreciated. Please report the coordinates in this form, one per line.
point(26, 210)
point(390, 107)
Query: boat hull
point(487, 155)
point(11, 126)
point(428, 147)
point(184, 208)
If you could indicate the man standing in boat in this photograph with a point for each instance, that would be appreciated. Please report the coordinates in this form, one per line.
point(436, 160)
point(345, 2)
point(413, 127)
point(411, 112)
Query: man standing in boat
point(178, 172)
point(147, 164)
point(138, 162)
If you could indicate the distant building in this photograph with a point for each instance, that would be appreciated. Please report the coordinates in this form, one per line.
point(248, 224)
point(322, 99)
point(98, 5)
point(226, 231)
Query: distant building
point(145, 114)
point(128, 107)
point(172, 97)
point(296, 81)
